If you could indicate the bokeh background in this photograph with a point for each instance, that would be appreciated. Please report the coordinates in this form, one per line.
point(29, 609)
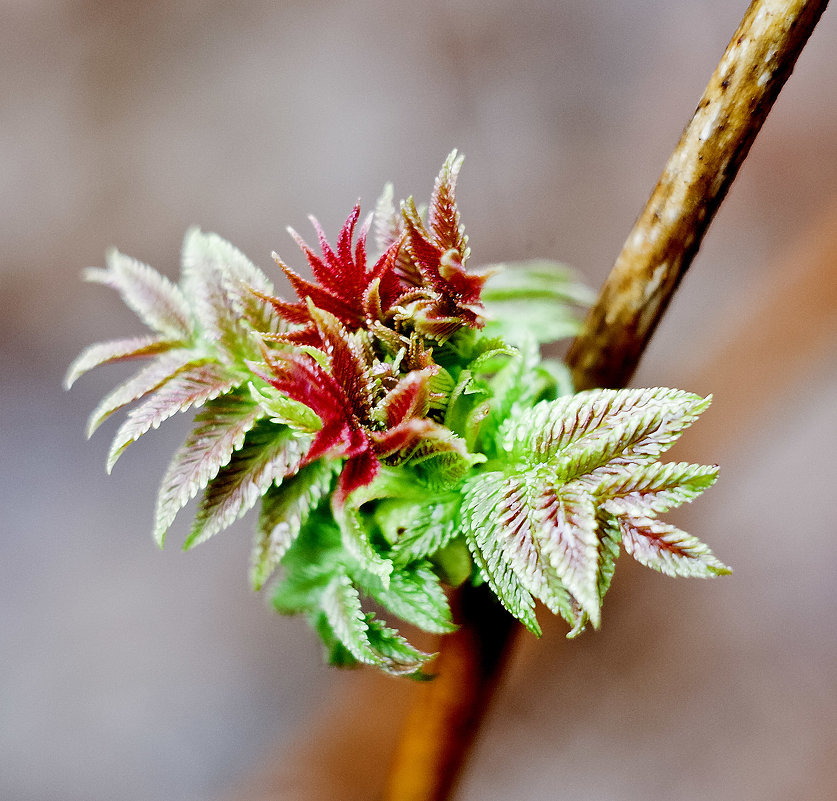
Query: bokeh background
point(131, 674)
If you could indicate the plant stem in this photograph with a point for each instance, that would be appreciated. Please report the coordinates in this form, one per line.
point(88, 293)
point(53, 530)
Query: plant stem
point(658, 251)
point(445, 713)
point(441, 726)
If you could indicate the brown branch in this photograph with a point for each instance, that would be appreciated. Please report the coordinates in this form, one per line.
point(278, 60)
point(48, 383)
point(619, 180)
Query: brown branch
point(443, 720)
point(759, 59)
point(442, 723)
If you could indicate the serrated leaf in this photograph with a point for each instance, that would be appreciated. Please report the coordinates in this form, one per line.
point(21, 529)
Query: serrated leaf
point(592, 428)
point(282, 409)
point(219, 430)
point(155, 300)
point(309, 565)
point(269, 453)
point(566, 529)
point(116, 350)
point(341, 605)
point(215, 276)
point(539, 299)
point(355, 538)
point(162, 369)
point(666, 548)
point(395, 655)
point(443, 215)
point(610, 537)
point(190, 387)
point(513, 389)
point(416, 596)
point(481, 498)
point(284, 511)
point(654, 488)
point(419, 529)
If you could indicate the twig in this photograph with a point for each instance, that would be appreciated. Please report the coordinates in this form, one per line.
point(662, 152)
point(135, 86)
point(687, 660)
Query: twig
point(445, 714)
point(442, 723)
point(759, 59)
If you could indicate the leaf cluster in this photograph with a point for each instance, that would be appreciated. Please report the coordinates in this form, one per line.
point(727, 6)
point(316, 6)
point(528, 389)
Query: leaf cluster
point(398, 429)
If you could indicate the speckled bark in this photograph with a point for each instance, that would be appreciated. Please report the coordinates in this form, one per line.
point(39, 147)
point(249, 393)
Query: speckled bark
point(759, 59)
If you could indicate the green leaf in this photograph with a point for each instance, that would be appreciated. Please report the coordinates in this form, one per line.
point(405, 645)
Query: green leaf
point(513, 389)
point(341, 605)
point(309, 565)
point(192, 386)
point(579, 433)
point(416, 596)
point(419, 529)
point(117, 350)
point(566, 529)
point(269, 453)
point(162, 369)
point(355, 538)
point(284, 511)
point(218, 431)
point(282, 409)
point(666, 548)
point(524, 518)
point(395, 655)
point(155, 300)
point(539, 299)
point(654, 488)
point(482, 496)
point(217, 279)
point(610, 537)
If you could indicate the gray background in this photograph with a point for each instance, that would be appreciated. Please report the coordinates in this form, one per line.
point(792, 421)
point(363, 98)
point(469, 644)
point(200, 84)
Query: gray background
point(127, 673)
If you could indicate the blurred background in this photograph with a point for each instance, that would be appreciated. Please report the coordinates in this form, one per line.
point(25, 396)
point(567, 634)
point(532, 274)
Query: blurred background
point(128, 673)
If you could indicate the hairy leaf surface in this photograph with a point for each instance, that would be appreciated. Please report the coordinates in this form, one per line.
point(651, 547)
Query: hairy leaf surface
point(269, 453)
point(218, 431)
point(190, 387)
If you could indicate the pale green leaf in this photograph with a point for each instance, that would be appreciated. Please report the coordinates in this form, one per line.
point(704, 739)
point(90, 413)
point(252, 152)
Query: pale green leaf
point(355, 538)
point(482, 496)
point(579, 433)
point(541, 299)
point(395, 655)
point(416, 596)
point(284, 511)
point(654, 488)
point(215, 278)
point(190, 387)
point(218, 431)
point(155, 300)
point(419, 529)
point(341, 605)
point(269, 453)
point(666, 548)
point(115, 351)
point(162, 369)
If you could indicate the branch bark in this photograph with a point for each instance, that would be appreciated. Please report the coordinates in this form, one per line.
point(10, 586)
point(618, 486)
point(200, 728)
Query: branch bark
point(658, 251)
point(442, 723)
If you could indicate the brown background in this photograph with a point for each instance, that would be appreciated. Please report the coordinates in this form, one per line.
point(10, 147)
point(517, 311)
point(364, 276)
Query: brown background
point(127, 673)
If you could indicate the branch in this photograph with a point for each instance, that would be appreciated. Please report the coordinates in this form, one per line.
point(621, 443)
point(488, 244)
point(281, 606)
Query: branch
point(442, 724)
point(668, 233)
point(446, 713)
